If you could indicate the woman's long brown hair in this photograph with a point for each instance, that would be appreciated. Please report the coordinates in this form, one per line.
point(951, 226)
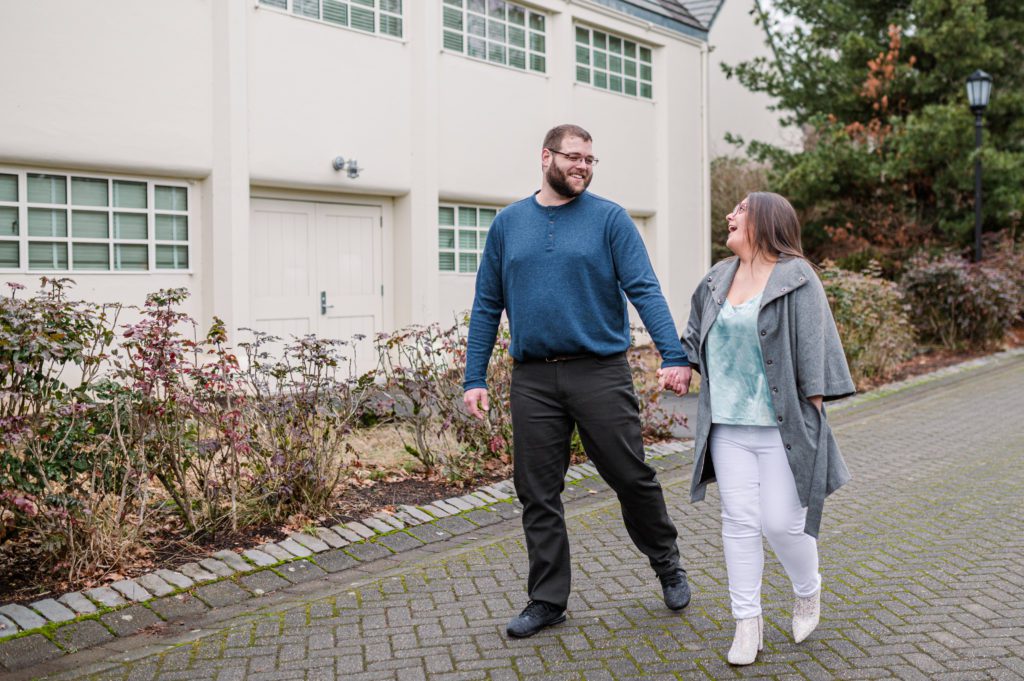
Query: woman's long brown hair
point(776, 228)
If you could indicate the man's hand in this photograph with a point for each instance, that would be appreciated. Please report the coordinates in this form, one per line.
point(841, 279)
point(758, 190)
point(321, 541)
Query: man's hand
point(676, 379)
point(475, 400)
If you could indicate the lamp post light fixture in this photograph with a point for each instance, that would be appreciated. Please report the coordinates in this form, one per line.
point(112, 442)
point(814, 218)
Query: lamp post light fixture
point(979, 87)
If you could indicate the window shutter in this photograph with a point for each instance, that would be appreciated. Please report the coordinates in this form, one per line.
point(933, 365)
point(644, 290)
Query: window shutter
point(131, 257)
point(306, 8)
point(86, 191)
point(8, 221)
point(47, 256)
point(47, 222)
point(130, 226)
point(8, 187)
point(171, 198)
point(171, 228)
point(336, 12)
point(129, 194)
point(90, 256)
point(9, 254)
point(89, 224)
point(171, 257)
point(47, 189)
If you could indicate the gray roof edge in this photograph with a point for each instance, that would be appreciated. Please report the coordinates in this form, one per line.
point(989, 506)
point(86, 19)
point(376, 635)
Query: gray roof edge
point(718, 10)
point(694, 31)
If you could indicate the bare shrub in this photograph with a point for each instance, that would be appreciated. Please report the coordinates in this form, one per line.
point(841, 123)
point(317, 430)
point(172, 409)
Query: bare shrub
point(421, 371)
point(871, 317)
point(303, 401)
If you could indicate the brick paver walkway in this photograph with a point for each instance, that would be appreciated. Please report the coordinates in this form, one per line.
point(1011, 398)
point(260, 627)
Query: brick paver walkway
point(922, 559)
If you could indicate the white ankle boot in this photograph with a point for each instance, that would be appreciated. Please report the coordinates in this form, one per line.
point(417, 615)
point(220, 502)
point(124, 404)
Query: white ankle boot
point(748, 640)
point(806, 612)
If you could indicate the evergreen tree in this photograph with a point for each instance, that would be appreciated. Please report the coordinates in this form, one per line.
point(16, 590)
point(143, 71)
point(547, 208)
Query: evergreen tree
point(879, 88)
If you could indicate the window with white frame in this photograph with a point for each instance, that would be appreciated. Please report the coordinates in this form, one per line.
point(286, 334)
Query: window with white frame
point(58, 221)
point(613, 63)
point(496, 31)
point(372, 16)
point(461, 235)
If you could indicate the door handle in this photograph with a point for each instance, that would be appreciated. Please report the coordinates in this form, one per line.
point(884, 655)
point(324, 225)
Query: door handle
point(324, 307)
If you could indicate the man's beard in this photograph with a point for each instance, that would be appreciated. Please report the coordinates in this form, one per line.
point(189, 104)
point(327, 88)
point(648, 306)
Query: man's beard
point(560, 183)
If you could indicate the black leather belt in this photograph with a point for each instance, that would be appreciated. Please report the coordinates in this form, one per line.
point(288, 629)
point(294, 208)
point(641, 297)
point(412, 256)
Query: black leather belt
point(569, 358)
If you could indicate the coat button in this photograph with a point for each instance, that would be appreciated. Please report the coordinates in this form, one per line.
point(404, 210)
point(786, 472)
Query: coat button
point(789, 446)
point(763, 332)
point(783, 289)
point(775, 389)
point(768, 362)
point(780, 419)
point(709, 278)
point(801, 279)
point(713, 288)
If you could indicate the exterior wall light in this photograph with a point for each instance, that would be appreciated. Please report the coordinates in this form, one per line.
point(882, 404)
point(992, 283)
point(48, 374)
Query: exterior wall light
point(351, 166)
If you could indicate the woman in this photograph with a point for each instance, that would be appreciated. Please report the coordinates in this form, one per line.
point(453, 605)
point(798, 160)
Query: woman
point(763, 338)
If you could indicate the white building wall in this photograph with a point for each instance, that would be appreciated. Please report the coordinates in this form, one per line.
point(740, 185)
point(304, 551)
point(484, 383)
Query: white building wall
point(109, 93)
point(243, 101)
point(124, 82)
point(735, 38)
point(317, 91)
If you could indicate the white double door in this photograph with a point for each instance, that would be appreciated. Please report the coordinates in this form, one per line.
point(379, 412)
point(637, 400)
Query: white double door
point(317, 268)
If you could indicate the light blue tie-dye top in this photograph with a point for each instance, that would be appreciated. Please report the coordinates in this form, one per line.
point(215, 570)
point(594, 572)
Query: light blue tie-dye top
point(739, 387)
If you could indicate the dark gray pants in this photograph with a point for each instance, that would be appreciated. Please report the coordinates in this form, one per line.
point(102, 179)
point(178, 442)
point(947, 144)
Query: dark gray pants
point(596, 395)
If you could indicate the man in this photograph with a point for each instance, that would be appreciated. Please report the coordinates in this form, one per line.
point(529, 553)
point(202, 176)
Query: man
point(561, 263)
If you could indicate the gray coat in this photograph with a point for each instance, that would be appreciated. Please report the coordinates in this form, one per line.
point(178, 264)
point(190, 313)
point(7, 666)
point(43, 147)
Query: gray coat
point(803, 357)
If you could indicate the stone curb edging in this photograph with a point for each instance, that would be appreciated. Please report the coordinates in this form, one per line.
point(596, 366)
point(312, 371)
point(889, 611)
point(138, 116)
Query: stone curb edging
point(50, 628)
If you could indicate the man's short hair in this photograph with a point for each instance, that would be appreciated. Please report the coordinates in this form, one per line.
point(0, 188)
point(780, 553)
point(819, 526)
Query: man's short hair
point(553, 139)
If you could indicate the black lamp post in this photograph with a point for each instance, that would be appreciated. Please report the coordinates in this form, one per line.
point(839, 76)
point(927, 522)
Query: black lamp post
point(979, 87)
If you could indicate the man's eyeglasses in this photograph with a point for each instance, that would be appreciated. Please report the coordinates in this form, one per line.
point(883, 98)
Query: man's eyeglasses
point(574, 158)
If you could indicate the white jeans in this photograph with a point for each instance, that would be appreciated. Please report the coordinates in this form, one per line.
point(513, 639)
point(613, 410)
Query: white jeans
point(759, 496)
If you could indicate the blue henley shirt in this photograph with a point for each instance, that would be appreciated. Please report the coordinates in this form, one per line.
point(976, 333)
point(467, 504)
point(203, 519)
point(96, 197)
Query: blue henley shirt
point(563, 274)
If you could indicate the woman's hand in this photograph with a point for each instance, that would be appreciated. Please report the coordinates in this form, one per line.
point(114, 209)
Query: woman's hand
point(676, 379)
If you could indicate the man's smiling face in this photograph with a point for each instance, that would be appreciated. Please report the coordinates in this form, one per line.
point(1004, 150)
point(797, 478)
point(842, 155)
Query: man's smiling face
point(566, 177)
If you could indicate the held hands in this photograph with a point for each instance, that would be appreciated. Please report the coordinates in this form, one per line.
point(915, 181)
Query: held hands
point(475, 400)
point(676, 379)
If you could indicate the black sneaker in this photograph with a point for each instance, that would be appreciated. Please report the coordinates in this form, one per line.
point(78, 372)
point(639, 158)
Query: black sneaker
point(534, 617)
point(675, 589)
